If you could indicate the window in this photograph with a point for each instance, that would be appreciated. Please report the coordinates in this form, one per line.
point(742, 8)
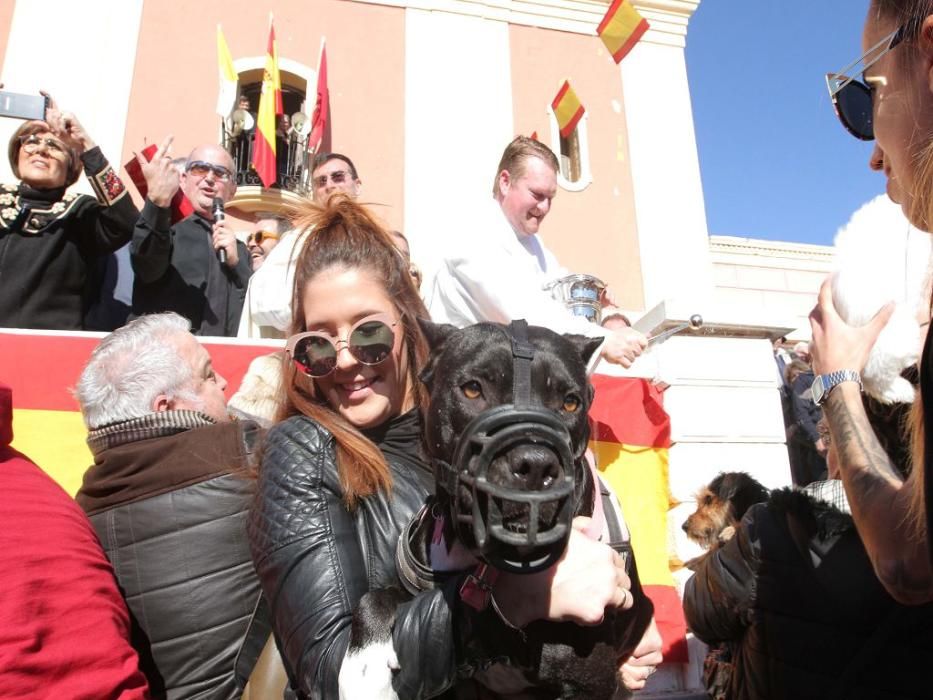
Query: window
point(572, 153)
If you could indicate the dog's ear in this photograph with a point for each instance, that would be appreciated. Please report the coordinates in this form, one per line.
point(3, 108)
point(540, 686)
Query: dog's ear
point(585, 346)
point(435, 333)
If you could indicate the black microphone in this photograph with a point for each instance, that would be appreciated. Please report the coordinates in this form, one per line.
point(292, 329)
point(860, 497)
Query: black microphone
point(218, 210)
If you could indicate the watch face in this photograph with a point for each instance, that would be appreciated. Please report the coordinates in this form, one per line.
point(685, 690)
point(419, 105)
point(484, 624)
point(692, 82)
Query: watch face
point(816, 389)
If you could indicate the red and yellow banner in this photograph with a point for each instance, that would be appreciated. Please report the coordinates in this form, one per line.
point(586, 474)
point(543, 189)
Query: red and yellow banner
point(621, 29)
point(630, 440)
point(567, 108)
point(43, 367)
point(270, 104)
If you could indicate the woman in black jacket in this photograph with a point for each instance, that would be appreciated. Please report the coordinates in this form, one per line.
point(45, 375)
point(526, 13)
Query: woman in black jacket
point(53, 244)
point(344, 473)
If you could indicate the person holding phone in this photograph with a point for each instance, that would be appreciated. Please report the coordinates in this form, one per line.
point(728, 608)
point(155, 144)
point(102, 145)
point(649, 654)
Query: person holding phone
point(53, 243)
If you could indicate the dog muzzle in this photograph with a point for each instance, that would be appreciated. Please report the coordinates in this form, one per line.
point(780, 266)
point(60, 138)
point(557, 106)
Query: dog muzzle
point(493, 434)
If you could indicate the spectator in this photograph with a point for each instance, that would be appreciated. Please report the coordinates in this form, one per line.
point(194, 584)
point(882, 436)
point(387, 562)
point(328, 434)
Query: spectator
point(64, 628)
point(178, 267)
point(166, 496)
point(802, 351)
point(499, 271)
point(53, 244)
point(795, 591)
point(265, 236)
point(894, 516)
point(345, 472)
point(268, 310)
point(805, 446)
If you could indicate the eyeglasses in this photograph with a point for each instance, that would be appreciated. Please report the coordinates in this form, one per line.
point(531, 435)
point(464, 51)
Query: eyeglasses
point(260, 236)
point(370, 341)
point(338, 177)
point(34, 143)
point(201, 168)
point(852, 99)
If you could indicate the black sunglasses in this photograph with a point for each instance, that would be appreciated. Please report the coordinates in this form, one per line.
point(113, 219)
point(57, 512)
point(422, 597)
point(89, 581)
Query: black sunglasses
point(852, 99)
point(370, 341)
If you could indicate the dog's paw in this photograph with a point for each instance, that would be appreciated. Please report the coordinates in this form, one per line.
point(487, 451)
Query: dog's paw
point(727, 533)
point(366, 673)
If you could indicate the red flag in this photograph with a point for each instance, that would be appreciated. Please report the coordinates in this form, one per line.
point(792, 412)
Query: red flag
point(181, 207)
point(322, 105)
point(264, 143)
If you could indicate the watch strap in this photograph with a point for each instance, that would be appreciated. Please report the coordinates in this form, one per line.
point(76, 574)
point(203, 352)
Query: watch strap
point(833, 379)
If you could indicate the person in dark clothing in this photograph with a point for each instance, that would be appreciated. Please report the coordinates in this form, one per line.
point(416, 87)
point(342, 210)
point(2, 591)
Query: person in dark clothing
point(345, 472)
point(795, 591)
point(53, 244)
point(168, 499)
point(178, 267)
point(805, 447)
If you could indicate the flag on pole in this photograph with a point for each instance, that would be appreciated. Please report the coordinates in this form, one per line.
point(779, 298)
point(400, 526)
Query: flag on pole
point(276, 76)
point(568, 109)
point(264, 144)
point(630, 440)
point(621, 28)
point(226, 97)
point(321, 104)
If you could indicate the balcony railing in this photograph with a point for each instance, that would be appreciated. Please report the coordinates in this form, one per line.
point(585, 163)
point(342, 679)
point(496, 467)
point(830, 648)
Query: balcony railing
point(292, 160)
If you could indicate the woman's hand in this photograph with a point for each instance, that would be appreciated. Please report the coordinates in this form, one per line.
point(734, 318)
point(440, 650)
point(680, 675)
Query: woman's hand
point(644, 661)
point(837, 345)
point(161, 176)
point(587, 579)
point(65, 125)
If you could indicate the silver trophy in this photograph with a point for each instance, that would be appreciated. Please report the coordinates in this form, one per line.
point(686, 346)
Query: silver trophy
point(579, 293)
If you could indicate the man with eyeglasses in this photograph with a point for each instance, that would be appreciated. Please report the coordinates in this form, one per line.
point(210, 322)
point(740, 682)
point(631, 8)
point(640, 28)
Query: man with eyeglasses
point(264, 237)
point(179, 268)
point(267, 312)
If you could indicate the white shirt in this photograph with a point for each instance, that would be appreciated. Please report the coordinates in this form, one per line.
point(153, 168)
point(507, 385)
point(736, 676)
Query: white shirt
point(267, 309)
point(495, 274)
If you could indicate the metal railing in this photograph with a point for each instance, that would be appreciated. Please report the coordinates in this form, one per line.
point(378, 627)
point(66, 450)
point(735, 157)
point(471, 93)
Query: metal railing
point(292, 160)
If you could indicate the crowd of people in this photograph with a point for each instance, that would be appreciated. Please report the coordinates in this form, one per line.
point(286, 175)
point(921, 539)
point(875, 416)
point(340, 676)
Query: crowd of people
point(218, 549)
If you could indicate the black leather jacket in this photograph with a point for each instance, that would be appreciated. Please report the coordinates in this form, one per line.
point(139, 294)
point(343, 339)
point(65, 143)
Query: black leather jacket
point(316, 560)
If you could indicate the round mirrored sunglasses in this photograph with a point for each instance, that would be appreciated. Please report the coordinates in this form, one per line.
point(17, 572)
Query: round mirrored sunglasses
point(370, 341)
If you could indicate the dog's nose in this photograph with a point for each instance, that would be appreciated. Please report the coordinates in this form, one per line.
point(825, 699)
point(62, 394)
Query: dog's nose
point(685, 527)
point(536, 467)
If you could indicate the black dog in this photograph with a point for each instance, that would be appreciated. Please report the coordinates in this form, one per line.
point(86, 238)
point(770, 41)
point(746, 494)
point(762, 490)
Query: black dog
point(508, 418)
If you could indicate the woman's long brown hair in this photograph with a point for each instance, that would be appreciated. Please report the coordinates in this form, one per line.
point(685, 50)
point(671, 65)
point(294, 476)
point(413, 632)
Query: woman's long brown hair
point(344, 235)
point(921, 214)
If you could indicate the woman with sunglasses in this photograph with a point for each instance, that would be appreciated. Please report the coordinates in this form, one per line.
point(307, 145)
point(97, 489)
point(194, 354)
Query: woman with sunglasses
point(892, 104)
point(53, 244)
point(344, 473)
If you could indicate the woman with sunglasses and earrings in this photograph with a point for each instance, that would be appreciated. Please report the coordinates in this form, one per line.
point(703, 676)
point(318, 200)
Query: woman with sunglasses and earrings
point(54, 244)
point(344, 473)
point(886, 95)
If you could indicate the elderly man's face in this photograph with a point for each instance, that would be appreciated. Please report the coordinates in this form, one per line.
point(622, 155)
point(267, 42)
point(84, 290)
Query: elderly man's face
point(205, 393)
point(210, 174)
point(334, 176)
point(526, 199)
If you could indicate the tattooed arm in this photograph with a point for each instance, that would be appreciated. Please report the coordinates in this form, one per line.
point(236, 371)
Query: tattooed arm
point(878, 496)
point(879, 499)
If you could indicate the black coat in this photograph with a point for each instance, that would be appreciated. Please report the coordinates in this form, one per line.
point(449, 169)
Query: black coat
point(52, 256)
point(177, 269)
point(171, 515)
point(795, 590)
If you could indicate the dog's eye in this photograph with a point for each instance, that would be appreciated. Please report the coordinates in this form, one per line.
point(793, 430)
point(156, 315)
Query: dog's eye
point(571, 403)
point(472, 390)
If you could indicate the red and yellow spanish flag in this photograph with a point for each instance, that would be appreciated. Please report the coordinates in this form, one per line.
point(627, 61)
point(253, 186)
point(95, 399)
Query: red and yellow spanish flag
point(631, 437)
point(47, 423)
point(621, 29)
point(568, 109)
point(269, 106)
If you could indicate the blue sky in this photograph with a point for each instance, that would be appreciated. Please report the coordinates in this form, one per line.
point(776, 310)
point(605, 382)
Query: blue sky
point(775, 161)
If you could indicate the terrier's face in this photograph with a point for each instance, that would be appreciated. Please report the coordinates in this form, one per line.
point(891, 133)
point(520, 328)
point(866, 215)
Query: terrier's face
point(712, 516)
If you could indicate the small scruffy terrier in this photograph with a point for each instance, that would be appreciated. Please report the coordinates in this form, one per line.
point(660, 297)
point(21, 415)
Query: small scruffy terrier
point(720, 507)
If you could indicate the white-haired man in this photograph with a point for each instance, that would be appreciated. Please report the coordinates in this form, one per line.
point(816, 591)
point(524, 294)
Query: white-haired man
point(168, 502)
